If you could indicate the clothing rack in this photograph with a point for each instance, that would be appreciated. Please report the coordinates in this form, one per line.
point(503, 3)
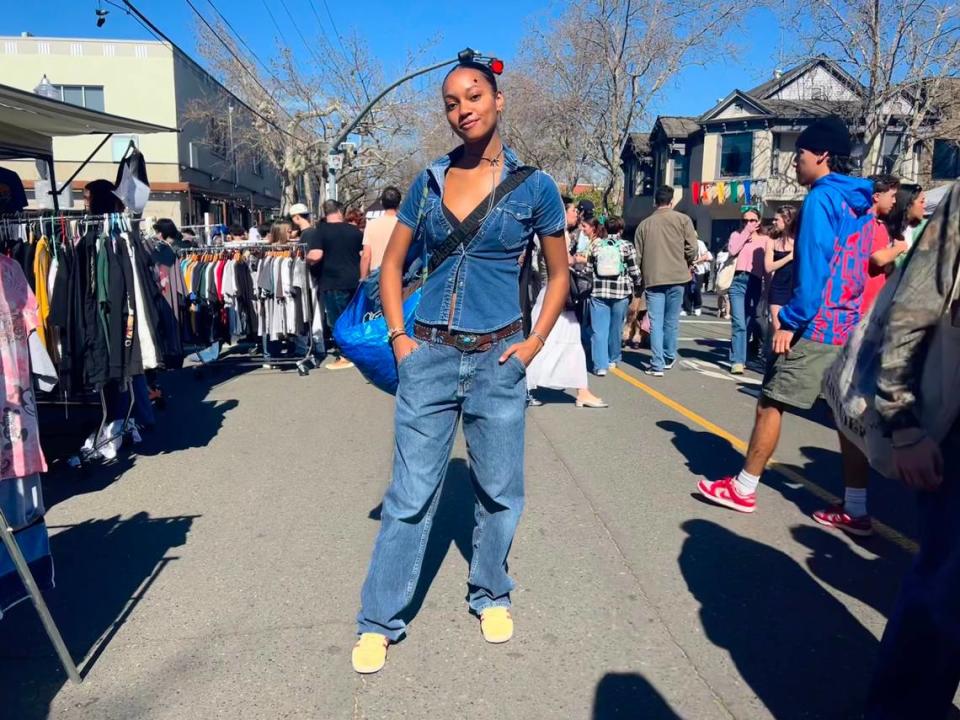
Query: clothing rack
point(57, 220)
point(305, 363)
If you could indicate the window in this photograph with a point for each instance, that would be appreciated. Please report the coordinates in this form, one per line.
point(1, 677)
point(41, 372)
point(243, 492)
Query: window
point(890, 151)
point(217, 137)
point(946, 159)
point(736, 154)
point(679, 170)
point(85, 96)
point(120, 143)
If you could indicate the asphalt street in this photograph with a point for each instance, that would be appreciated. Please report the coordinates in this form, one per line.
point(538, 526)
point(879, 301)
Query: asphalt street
point(215, 573)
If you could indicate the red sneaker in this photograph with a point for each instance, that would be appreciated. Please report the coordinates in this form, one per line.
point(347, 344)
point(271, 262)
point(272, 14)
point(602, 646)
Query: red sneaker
point(724, 492)
point(837, 517)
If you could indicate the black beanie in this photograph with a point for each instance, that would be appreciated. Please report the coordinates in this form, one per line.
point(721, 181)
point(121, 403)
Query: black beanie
point(827, 134)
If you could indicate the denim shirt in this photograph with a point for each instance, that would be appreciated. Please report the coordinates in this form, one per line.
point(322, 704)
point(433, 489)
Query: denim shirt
point(486, 278)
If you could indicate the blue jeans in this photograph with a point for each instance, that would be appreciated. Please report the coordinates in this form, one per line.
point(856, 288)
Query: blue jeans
point(334, 303)
point(745, 292)
point(663, 307)
point(606, 320)
point(439, 385)
point(918, 666)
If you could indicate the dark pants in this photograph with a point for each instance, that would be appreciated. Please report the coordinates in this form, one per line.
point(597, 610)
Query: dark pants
point(334, 303)
point(693, 294)
point(918, 669)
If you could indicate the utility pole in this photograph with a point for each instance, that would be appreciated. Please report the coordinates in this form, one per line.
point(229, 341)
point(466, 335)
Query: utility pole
point(465, 55)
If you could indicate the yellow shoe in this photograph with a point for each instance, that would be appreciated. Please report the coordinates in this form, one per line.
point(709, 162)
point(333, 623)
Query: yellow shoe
point(370, 653)
point(496, 624)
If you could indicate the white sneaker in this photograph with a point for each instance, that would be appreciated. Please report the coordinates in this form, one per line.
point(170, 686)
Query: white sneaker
point(612, 366)
point(697, 312)
point(683, 313)
point(601, 373)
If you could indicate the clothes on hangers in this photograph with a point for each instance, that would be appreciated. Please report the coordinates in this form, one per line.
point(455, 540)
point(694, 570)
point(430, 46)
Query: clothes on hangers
point(132, 186)
point(21, 458)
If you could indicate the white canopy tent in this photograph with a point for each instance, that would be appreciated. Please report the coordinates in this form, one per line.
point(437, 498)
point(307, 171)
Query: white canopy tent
point(29, 122)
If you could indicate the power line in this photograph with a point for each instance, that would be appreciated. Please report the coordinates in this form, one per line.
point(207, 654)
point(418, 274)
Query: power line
point(159, 34)
point(243, 42)
point(296, 26)
point(332, 23)
point(233, 53)
point(239, 37)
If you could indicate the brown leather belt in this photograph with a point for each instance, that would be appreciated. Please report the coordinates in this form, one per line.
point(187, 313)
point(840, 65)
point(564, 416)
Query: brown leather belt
point(465, 342)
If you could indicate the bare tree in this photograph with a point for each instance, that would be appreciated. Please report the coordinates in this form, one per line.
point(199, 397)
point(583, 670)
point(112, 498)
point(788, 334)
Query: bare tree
point(906, 55)
point(300, 111)
point(542, 125)
point(610, 61)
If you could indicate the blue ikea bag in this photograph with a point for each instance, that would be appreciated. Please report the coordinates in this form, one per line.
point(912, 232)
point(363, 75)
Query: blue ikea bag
point(361, 334)
point(361, 330)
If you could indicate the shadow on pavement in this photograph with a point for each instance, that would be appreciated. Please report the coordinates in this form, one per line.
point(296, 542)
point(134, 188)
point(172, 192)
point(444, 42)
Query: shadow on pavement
point(629, 695)
point(874, 581)
point(191, 420)
point(797, 647)
point(453, 524)
point(707, 455)
point(103, 569)
point(553, 397)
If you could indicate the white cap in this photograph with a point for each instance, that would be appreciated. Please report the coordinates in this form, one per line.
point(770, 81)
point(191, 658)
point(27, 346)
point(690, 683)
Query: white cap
point(299, 209)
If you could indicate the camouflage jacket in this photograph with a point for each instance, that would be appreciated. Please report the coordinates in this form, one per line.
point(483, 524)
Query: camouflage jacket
point(923, 293)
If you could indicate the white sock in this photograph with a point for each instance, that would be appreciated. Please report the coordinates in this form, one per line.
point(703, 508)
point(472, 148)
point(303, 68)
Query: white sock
point(745, 483)
point(855, 502)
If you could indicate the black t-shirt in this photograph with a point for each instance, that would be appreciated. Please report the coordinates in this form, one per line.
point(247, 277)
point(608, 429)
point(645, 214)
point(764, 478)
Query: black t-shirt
point(342, 244)
point(12, 196)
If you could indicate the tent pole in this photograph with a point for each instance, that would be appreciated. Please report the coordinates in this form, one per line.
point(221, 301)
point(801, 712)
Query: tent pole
point(53, 184)
point(30, 584)
point(85, 162)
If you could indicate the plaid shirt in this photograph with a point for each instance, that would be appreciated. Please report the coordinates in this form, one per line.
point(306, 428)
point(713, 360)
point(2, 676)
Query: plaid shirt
point(624, 284)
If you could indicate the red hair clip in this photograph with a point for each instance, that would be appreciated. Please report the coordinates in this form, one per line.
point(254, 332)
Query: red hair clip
point(496, 66)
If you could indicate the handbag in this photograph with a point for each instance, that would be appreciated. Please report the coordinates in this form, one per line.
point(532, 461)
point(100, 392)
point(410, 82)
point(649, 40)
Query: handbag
point(850, 384)
point(725, 275)
point(581, 287)
point(361, 331)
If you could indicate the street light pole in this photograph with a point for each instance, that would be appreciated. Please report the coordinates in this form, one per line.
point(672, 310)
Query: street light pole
point(464, 55)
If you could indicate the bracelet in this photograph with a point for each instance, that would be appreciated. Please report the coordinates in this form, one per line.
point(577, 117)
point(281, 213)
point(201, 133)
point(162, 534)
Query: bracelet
point(394, 334)
point(541, 338)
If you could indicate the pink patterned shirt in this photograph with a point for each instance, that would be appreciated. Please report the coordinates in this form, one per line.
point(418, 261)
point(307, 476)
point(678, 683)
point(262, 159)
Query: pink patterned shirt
point(20, 452)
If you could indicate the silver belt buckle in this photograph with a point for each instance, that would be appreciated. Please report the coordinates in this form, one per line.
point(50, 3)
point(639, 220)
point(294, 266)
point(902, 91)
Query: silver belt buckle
point(465, 343)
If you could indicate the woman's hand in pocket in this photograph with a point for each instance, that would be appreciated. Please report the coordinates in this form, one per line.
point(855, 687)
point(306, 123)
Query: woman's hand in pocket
point(525, 351)
point(403, 346)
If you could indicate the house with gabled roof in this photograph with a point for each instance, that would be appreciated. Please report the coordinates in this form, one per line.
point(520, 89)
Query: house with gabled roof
point(740, 151)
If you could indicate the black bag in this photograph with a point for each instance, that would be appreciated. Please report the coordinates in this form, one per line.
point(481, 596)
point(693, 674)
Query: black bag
point(581, 287)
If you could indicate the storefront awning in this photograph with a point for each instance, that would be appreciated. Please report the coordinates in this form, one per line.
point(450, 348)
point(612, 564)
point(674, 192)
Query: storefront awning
point(29, 122)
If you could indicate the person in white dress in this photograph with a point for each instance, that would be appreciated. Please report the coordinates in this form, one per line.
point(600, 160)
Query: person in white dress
point(562, 364)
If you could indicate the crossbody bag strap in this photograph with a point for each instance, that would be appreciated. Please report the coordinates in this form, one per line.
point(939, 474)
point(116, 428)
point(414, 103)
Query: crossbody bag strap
point(468, 228)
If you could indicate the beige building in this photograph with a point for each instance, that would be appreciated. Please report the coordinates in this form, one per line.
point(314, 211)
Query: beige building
point(192, 172)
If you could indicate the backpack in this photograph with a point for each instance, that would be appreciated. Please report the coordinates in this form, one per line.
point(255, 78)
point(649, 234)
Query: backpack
point(609, 258)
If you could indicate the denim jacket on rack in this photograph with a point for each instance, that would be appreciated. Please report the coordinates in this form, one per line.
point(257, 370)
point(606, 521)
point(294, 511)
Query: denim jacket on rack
point(486, 278)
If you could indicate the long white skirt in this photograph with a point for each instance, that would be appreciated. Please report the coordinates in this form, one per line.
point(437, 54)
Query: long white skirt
point(562, 363)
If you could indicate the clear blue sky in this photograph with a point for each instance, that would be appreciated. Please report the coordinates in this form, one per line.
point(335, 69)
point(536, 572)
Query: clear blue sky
point(392, 29)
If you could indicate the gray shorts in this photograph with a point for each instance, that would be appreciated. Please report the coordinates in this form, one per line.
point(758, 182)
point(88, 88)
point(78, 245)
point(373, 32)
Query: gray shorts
point(794, 379)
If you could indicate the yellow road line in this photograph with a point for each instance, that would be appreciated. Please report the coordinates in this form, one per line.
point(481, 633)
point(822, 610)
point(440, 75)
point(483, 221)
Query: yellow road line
point(882, 529)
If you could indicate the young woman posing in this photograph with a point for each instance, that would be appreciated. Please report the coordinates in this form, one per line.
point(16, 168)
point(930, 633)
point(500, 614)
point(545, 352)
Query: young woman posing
point(467, 359)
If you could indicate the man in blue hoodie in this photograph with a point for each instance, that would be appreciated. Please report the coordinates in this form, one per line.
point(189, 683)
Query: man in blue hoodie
point(832, 247)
